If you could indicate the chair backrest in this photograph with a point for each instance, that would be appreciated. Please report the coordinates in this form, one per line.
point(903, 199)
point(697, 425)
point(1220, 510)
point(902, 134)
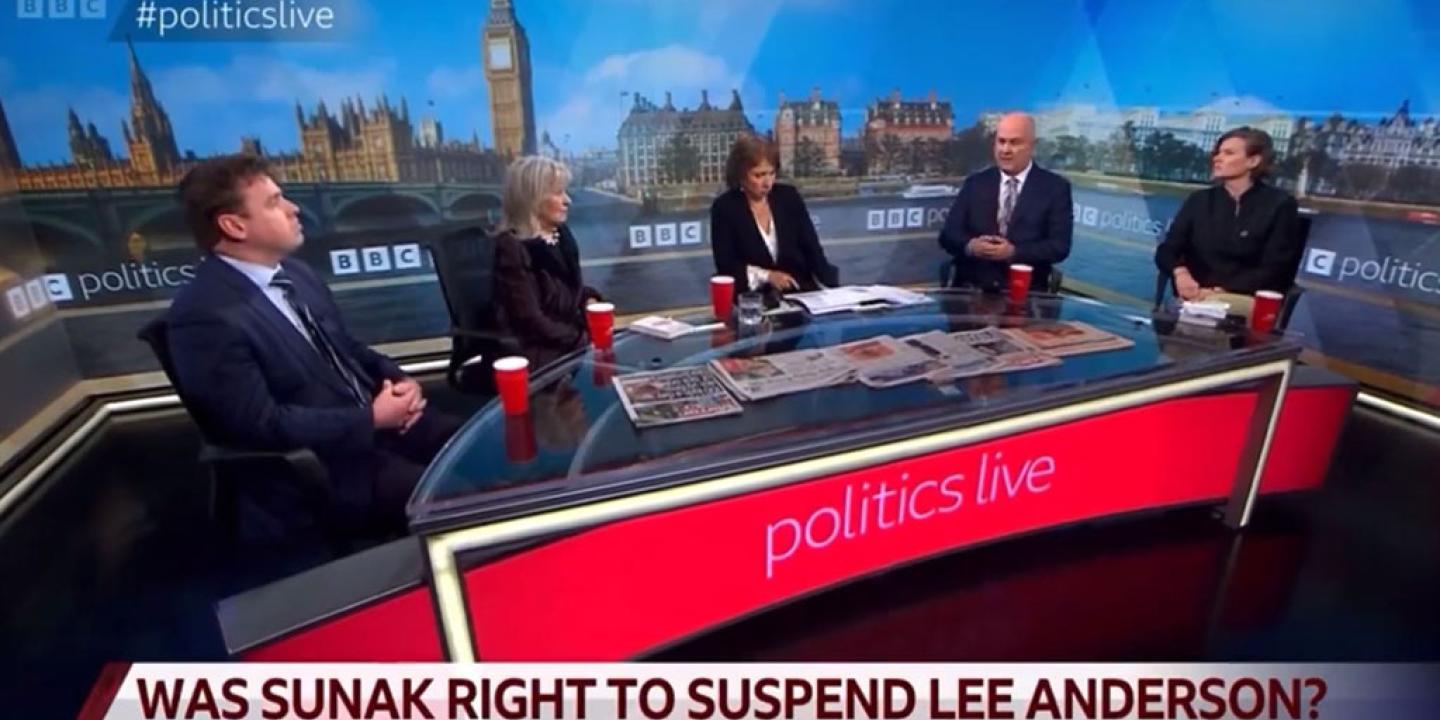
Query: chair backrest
point(465, 264)
point(156, 334)
point(1292, 296)
point(1303, 230)
point(1056, 282)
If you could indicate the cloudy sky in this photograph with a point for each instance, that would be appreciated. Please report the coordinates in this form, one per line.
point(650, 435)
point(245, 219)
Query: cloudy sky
point(1311, 58)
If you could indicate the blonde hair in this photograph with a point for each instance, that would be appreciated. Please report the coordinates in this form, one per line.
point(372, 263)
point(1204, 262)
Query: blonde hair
point(529, 179)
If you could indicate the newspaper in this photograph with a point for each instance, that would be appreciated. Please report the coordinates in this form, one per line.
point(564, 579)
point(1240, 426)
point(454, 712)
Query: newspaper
point(1008, 353)
point(898, 296)
point(678, 395)
point(862, 297)
point(1064, 338)
point(822, 302)
point(882, 362)
point(958, 360)
point(757, 378)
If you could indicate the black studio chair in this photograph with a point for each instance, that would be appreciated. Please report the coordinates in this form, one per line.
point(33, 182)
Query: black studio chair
point(465, 264)
point(229, 469)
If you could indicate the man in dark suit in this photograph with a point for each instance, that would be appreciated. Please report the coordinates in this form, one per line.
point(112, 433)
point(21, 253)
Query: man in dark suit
point(264, 361)
point(1015, 212)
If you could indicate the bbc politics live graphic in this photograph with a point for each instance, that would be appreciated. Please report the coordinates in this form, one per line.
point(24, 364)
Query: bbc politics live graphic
point(771, 692)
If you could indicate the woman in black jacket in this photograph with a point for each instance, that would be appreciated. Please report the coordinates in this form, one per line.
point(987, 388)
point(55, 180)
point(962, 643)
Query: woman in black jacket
point(1239, 236)
point(539, 293)
point(760, 230)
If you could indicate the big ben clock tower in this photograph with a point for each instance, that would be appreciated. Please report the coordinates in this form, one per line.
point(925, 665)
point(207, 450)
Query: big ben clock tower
point(506, 54)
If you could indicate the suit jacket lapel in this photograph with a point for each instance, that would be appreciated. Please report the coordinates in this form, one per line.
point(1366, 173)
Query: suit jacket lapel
point(990, 201)
point(1028, 193)
point(260, 307)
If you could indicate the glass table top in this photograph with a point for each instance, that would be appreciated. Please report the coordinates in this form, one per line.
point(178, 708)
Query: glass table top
point(577, 441)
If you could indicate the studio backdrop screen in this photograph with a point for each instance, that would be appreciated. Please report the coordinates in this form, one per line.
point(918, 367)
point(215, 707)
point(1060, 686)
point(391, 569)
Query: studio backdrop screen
point(390, 124)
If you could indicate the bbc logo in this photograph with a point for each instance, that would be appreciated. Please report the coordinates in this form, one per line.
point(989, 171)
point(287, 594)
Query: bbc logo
point(895, 218)
point(1320, 262)
point(376, 258)
point(57, 286)
point(26, 299)
point(666, 234)
point(60, 9)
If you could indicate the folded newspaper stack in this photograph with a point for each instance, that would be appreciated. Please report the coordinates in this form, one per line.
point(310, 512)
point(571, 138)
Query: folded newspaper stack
point(882, 362)
point(757, 378)
point(957, 358)
point(1064, 338)
point(1007, 353)
point(678, 395)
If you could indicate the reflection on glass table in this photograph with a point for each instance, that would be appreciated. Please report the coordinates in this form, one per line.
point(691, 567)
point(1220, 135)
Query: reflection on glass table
point(577, 441)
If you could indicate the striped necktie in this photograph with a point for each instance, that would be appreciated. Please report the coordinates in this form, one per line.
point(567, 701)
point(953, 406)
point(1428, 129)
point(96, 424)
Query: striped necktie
point(1007, 204)
point(319, 339)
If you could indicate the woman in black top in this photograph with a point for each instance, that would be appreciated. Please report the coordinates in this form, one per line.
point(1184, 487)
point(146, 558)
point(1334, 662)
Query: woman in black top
point(538, 289)
point(760, 230)
point(1239, 236)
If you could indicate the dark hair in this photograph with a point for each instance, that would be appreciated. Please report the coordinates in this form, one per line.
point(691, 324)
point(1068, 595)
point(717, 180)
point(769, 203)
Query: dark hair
point(1257, 142)
point(747, 152)
point(212, 188)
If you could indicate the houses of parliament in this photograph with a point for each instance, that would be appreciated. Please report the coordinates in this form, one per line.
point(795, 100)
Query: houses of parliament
point(353, 143)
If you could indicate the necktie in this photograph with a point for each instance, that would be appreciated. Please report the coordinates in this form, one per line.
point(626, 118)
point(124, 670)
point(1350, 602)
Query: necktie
point(319, 339)
point(1007, 204)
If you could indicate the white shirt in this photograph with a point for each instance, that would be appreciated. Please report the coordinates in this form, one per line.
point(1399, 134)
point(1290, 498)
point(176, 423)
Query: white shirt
point(261, 275)
point(760, 276)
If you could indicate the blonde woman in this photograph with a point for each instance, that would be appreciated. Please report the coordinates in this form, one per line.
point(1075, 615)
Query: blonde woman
point(538, 292)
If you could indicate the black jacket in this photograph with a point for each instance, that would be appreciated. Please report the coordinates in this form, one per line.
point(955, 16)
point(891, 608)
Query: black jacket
point(539, 295)
point(735, 242)
point(1256, 248)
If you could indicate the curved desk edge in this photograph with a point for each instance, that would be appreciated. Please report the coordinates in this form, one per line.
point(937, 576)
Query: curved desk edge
point(315, 599)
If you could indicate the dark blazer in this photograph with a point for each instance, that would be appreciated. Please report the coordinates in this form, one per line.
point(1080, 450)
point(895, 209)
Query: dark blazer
point(255, 381)
point(735, 242)
point(1256, 246)
point(1040, 227)
point(252, 381)
point(539, 295)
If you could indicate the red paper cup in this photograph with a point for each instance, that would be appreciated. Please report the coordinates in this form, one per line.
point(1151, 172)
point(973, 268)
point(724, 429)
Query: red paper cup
point(520, 438)
point(1265, 311)
point(722, 296)
point(600, 317)
point(1020, 282)
point(512, 379)
point(602, 368)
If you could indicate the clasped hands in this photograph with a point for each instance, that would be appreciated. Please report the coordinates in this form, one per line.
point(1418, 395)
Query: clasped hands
point(398, 405)
point(990, 247)
point(1188, 289)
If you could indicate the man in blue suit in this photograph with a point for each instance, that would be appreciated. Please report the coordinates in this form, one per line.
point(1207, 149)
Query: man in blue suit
point(264, 361)
point(1014, 212)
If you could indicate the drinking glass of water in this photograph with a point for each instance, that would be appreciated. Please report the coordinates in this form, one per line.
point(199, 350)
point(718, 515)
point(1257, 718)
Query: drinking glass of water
point(751, 308)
